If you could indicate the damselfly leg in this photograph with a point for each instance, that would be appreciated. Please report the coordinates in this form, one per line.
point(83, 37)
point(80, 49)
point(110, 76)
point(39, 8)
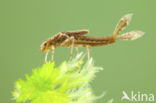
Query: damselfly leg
point(72, 46)
point(46, 56)
point(53, 52)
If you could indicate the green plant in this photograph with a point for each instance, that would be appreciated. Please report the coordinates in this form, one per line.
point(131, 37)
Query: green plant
point(67, 83)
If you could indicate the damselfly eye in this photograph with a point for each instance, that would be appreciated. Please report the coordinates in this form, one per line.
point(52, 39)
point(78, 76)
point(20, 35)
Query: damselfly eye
point(45, 44)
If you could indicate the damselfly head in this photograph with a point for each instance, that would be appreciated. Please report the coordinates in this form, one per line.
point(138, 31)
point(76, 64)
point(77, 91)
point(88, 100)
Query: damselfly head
point(45, 46)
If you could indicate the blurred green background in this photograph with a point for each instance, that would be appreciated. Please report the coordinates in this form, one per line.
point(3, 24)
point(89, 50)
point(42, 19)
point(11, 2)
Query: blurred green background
point(128, 65)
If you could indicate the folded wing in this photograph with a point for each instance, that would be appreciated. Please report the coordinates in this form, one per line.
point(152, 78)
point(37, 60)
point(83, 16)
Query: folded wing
point(74, 33)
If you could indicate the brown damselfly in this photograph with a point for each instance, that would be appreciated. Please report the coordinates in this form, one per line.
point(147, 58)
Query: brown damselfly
point(78, 39)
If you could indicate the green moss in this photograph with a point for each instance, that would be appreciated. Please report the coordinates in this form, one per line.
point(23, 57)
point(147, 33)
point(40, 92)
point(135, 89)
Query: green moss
point(67, 83)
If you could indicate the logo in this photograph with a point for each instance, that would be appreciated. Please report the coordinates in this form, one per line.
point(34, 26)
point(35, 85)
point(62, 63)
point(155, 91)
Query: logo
point(137, 96)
